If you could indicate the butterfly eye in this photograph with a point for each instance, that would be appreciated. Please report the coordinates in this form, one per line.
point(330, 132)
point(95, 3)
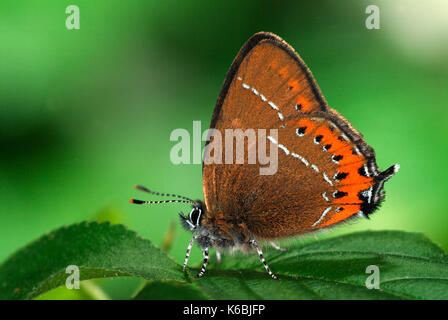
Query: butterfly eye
point(195, 216)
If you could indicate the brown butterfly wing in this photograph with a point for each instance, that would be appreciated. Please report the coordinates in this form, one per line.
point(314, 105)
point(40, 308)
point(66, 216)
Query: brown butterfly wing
point(320, 179)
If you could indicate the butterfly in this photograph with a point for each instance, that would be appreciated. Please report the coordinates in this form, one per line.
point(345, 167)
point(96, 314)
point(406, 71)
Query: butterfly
point(327, 173)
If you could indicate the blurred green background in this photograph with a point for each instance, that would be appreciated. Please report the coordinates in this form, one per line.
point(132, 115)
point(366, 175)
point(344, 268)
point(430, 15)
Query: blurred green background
point(86, 114)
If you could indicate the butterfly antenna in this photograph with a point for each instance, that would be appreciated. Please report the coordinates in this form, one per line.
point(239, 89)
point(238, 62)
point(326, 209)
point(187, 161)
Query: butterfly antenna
point(138, 187)
point(162, 201)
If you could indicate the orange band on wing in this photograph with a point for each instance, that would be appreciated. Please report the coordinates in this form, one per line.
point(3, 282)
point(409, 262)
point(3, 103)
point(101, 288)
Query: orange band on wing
point(348, 211)
point(305, 103)
point(310, 125)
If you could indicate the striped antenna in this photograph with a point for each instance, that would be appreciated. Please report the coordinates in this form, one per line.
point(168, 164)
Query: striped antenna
point(163, 201)
point(138, 187)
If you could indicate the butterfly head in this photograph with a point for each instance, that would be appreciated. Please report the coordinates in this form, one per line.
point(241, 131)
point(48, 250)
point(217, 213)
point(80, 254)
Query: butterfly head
point(192, 222)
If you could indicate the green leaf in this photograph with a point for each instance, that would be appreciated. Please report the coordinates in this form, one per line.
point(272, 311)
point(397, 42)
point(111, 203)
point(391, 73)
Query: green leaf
point(411, 267)
point(98, 249)
point(170, 290)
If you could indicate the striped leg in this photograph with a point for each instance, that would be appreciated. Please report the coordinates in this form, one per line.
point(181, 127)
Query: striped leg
point(204, 265)
point(187, 255)
point(276, 247)
point(260, 253)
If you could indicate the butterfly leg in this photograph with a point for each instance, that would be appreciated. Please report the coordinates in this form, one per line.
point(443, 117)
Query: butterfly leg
point(276, 247)
point(218, 257)
point(187, 255)
point(260, 254)
point(204, 264)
